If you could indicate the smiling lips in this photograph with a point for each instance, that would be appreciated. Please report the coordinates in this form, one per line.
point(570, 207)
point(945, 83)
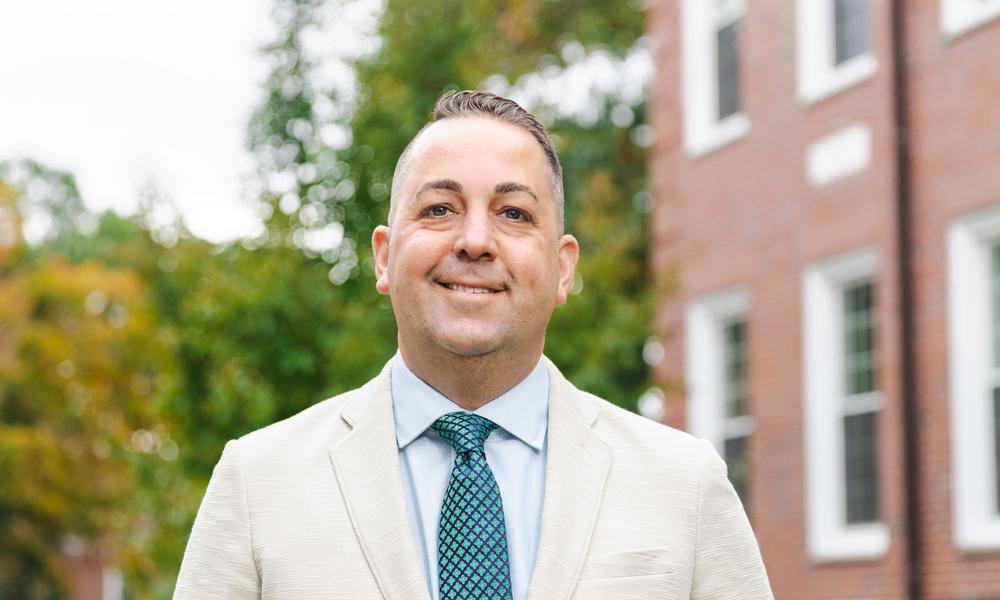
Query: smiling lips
point(472, 289)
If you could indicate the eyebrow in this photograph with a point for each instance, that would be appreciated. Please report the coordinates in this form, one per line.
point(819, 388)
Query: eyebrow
point(450, 185)
point(441, 184)
point(508, 187)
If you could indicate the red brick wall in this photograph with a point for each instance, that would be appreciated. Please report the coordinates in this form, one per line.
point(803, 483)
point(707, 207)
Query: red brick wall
point(954, 86)
point(744, 215)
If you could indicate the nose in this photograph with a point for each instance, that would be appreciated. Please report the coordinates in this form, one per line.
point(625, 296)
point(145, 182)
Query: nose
point(476, 237)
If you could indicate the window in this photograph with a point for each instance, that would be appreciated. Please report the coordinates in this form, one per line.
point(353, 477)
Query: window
point(850, 27)
point(716, 380)
point(112, 586)
point(995, 375)
point(959, 16)
point(834, 46)
point(734, 431)
point(860, 435)
point(842, 405)
point(729, 68)
point(995, 384)
point(996, 442)
point(711, 71)
point(974, 378)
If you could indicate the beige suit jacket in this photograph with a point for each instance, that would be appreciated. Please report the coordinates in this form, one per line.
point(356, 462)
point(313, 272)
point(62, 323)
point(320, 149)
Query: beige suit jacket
point(312, 507)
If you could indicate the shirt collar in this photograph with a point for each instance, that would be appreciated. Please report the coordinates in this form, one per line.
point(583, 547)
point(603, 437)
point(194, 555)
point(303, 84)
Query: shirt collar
point(521, 411)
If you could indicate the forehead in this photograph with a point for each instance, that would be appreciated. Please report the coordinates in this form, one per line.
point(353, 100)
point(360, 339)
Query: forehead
point(477, 147)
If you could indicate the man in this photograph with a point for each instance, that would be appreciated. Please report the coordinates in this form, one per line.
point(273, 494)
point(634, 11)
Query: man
point(470, 468)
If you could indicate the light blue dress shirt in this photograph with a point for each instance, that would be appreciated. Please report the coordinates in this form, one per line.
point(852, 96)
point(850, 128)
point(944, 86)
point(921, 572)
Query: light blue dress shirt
point(515, 453)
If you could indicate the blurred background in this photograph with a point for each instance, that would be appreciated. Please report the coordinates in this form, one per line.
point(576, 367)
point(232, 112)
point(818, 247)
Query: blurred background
point(789, 213)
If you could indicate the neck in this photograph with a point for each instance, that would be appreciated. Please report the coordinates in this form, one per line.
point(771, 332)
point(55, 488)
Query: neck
point(470, 381)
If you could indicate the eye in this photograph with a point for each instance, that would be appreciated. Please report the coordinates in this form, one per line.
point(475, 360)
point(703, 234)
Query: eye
point(516, 214)
point(438, 211)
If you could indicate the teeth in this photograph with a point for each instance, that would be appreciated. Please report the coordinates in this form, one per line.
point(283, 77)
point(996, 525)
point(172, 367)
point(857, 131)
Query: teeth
point(470, 290)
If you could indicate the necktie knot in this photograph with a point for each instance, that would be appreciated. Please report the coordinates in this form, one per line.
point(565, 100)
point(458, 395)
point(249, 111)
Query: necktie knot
point(464, 431)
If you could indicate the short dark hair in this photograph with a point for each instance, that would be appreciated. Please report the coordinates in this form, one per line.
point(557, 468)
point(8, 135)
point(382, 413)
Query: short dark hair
point(471, 103)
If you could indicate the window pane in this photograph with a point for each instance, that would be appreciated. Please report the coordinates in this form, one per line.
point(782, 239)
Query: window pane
point(850, 28)
point(996, 442)
point(735, 451)
point(735, 369)
point(859, 338)
point(729, 72)
point(995, 255)
point(861, 468)
point(995, 260)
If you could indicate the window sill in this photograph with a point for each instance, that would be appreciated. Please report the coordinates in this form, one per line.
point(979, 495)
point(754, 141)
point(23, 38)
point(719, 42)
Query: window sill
point(981, 536)
point(717, 135)
point(850, 543)
point(838, 79)
point(956, 21)
point(741, 426)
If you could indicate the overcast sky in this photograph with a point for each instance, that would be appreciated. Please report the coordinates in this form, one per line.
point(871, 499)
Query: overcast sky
point(128, 93)
point(123, 93)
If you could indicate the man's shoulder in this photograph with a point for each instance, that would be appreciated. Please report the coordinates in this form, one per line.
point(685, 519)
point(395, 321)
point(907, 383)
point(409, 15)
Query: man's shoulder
point(626, 433)
point(630, 436)
point(312, 429)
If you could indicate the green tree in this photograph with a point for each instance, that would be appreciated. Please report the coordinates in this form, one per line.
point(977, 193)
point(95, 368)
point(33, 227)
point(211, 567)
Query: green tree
point(597, 339)
point(81, 365)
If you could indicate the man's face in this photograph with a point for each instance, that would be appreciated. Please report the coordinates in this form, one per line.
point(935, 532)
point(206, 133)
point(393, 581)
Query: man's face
point(473, 261)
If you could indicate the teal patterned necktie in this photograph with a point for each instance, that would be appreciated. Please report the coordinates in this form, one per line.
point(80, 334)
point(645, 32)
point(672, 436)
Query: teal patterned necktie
point(472, 537)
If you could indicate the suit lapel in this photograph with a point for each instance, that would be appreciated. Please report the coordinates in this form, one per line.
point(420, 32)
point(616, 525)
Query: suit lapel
point(366, 462)
point(576, 469)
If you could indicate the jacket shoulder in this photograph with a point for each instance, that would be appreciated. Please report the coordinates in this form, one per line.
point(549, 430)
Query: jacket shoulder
point(309, 431)
point(627, 434)
point(626, 431)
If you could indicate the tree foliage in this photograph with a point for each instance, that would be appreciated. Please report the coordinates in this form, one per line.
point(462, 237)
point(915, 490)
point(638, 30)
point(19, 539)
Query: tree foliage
point(82, 365)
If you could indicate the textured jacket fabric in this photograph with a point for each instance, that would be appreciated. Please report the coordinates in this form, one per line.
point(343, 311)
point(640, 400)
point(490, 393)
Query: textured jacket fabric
point(312, 507)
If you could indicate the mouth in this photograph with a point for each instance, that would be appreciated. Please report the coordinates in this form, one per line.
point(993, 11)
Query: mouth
point(472, 289)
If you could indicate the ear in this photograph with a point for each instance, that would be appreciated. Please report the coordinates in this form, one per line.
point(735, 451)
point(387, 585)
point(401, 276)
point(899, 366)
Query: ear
point(569, 253)
point(380, 250)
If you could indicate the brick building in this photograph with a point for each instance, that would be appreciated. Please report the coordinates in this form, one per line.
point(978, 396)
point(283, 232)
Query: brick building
point(826, 185)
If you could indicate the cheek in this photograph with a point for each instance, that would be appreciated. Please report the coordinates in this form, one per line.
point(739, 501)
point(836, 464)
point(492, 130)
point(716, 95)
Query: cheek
point(539, 266)
point(426, 242)
point(412, 261)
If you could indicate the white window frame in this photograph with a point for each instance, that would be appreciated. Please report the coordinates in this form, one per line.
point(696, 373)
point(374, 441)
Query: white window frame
point(959, 16)
point(705, 369)
point(818, 74)
point(971, 377)
point(828, 536)
point(703, 132)
point(112, 583)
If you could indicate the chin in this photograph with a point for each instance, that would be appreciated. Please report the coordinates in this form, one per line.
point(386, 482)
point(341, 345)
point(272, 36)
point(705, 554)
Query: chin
point(470, 349)
point(470, 344)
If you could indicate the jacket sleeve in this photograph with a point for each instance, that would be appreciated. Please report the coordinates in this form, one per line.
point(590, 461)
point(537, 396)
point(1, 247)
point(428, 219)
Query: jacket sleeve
point(728, 565)
point(218, 561)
